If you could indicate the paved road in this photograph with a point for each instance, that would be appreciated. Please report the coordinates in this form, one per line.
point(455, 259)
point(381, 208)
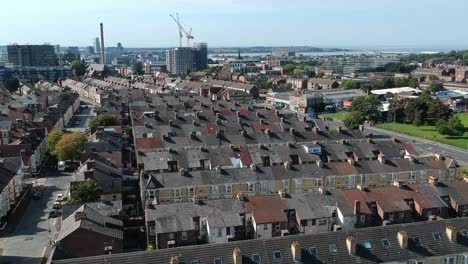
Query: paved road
point(83, 116)
point(459, 154)
point(27, 243)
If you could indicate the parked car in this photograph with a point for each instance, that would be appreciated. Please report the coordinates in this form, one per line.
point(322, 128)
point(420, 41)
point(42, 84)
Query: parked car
point(53, 214)
point(57, 205)
point(59, 198)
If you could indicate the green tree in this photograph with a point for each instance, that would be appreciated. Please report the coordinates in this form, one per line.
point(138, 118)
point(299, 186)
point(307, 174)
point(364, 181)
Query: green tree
point(52, 140)
point(350, 84)
point(79, 67)
point(137, 68)
point(435, 87)
point(353, 120)
point(369, 106)
point(433, 78)
point(103, 120)
point(406, 82)
point(289, 68)
point(455, 124)
point(12, 85)
point(71, 146)
point(85, 192)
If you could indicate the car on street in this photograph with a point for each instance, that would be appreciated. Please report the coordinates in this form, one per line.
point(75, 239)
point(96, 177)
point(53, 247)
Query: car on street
point(53, 214)
point(59, 198)
point(57, 205)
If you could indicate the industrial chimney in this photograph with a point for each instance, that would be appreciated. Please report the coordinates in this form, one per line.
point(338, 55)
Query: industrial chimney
point(103, 52)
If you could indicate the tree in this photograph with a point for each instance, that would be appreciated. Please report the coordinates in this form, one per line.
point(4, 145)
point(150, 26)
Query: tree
point(367, 105)
point(435, 87)
point(52, 140)
point(289, 68)
point(79, 67)
point(12, 85)
point(406, 82)
point(103, 120)
point(85, 192)
point(452, 127)
point(353, 119)
point(137, 68)
point(71, 146)
point(350, 84)
point(433, 78)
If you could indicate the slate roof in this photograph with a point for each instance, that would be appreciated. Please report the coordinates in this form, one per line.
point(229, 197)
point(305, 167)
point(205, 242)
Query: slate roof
point(378, 253)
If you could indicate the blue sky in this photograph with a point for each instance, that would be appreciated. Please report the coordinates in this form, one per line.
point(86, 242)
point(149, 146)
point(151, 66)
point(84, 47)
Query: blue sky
point(322, 23)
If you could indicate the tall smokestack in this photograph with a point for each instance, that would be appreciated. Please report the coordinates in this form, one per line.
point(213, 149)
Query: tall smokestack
point(103, 53)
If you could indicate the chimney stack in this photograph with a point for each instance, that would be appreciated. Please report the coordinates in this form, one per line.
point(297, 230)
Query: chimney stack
point(181, 172)
point(253, 166)
point(398, 183)
point(439, 156)
point(338, 129)
point(103, 52)
point(319, 163)
point(357, 207)
point(351, 244)
point(403, 239)
point(282, 193)
point(433, 180)
point(174, 260)
point(351, 161)
point(287, 165)
point(465, 178)
point(381, 158)
point(361, 128)
point(237, 256)
point(452, 233)
point(296, 251)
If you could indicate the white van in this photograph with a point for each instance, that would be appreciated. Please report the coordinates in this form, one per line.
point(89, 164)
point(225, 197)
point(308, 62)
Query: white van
point(61, 166)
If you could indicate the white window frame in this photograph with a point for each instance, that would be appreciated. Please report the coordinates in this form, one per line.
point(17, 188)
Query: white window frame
point(177, 193)
point(286, 185)
point(215, 189)
point(184, 236)
point(228, 188)
point(191, 191)
point(250, 187)
point(298, 184)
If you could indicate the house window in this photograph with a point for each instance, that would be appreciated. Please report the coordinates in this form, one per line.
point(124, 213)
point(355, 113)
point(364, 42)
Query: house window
point(464, 259)
point(385, 243)
point(256, 258)
point(177, 193)
point(452, 172)
point(184, 236)
point(218, 261)
point(304, 222)
point(331, 182)
point(114, 197)
point(314, 222)
point(191, 191)
point(152, 230)
point(298, 184)
point(313, 251)
point(363, 179)
point(228, 188)
point(350, 181)
point(422, 175)
point(286, 185)
point(318, 183)
point(413, 175)
point(220, 232)
point(150, 194)
point(465, 210)
point(394, 177)
point(250, 187)
point(436, 236)
point(440, 174)
point(367, 244)
point(277, 255)
point(333, 248)
point(464, 233)
point(449, 260)
point(322, 222)
point(215, 189)
point(265, 227)
point(277, 227)
point(264, 186)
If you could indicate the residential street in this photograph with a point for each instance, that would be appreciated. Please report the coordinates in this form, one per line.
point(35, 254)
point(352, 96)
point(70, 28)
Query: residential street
point(430, 146)
point(31, 237)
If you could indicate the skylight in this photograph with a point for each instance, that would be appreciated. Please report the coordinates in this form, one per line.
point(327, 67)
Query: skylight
point(333, 248)
point(385, 242)
point(256, 258)
point(313, 251)
point(436, 236)
point(367, 244)
point(277, 255)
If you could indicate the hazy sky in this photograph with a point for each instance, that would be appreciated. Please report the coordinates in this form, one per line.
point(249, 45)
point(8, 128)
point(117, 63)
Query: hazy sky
point(322, 23)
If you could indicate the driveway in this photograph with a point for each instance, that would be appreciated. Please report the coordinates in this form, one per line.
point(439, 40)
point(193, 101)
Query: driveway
point(27, 244)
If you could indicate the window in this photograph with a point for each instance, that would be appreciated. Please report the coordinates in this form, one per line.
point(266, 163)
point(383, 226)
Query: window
point(465, 211)
point(196, 262)
point(191, 191)
point(386, 243)
point(298, 184)
point(184, 236)
point(264, 186)
point(114, 197)
point(333, 248)
point(277, 227)
point(150, 194)
point(313, 251)
point(256, 258)
point(228, 188)
point(218, 261)
point(412, 175)
point(286, 185)
point(277, 255)
point(318, 183)
point(449, 260)
point(464, 259)
point(250, 187)
point(350, 181)
point(322, 222)
point(177, 193)
point(152, 230)
point(304, 222)
point(220, 232)
point(436, 236)
point(464, 233)
point(417, 241)
point(215, 189)
point(363, 179)
point(265, 227)
point(367, 244)
point(314, 222)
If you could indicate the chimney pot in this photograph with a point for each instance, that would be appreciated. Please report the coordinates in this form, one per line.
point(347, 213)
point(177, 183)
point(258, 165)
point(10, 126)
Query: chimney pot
point(174, 260)
point(361, 128)
point(282, 193)
point(287, 165)
point(181, 172)
point(253, 166)
point(433, 180)
point(398, 183)
point(381, 158)
point(351, 161)
point(319, 163)
point(338, 129)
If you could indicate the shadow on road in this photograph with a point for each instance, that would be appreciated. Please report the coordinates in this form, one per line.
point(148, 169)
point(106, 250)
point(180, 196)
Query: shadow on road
point(20, 260)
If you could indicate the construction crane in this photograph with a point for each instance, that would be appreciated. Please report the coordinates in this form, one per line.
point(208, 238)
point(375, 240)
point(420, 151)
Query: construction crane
point(182, 31)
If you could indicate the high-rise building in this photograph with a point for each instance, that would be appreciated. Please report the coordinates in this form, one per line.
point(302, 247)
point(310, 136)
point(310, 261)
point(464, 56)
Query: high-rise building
point(90, 49)
point(97, 45)
point(32, 55)
point(185, 59)
point(201, 56)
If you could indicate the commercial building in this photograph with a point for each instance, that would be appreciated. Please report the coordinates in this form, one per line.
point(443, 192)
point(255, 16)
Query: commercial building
point(35, 73)
point(97, 45)
point(32, 55)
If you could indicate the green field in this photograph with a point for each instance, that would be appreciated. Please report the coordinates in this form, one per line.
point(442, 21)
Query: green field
point(337, 116)
point(430, 132)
